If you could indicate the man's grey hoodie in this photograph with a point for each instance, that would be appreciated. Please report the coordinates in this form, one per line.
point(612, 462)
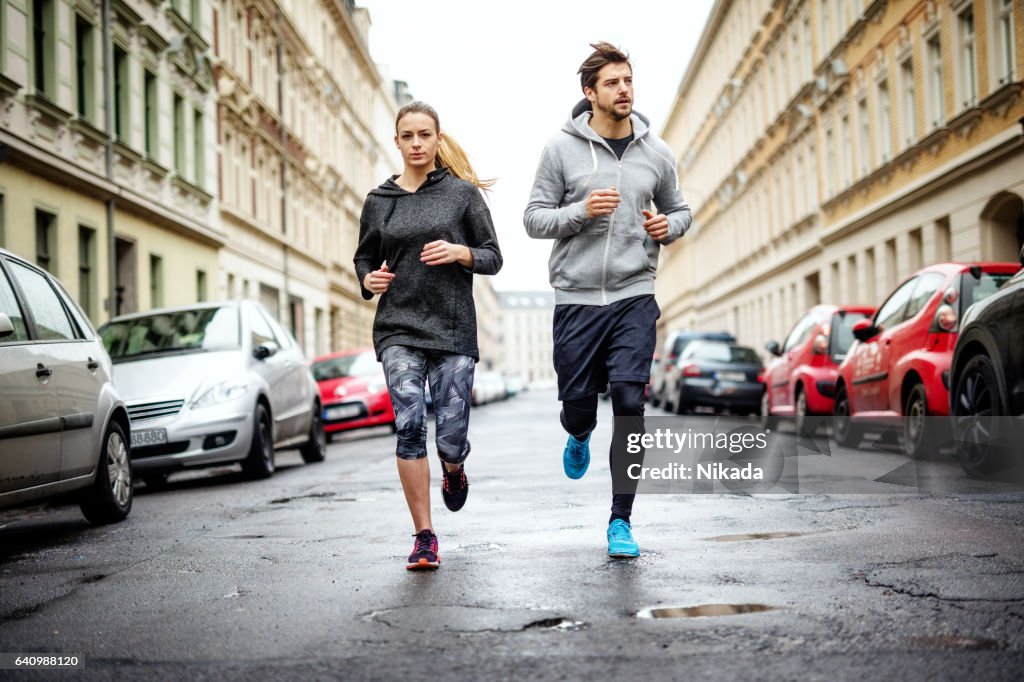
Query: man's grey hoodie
point(608, 258)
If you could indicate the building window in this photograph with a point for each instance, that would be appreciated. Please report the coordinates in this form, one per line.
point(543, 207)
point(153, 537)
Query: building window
point(152, 115)
point(122, 93)
point(830, 164)
point(1004, 42)
point(86, 269)
point(847, 151)
point(968, 58)
point(46, 248)
point(201, 286)
point(198, 148)
point(909, 103)
point(824, 28)
point(85, 67)
point(196, 13)
point(156, 281)
point(179, 134)
point(43, 47)
point(885, 121)
point(864, 136)
point(936, 86)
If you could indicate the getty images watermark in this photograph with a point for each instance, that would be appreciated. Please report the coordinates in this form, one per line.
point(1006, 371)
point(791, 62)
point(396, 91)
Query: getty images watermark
point(715, 454)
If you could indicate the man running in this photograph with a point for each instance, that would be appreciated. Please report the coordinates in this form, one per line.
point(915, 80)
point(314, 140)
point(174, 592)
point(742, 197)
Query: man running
point(592, 194)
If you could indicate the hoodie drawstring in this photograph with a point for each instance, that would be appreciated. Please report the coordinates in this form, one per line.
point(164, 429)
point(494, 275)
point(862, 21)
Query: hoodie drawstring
point(593, 157)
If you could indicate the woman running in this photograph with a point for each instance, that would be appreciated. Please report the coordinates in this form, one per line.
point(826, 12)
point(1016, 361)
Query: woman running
point(422, 236)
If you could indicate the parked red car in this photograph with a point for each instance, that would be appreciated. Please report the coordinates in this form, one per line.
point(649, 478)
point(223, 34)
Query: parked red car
point(353, 391)
point(801, 379)
point(898, 371)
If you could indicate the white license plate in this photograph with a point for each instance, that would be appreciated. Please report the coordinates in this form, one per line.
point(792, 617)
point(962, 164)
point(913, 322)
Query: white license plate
point(731, 376)
point(342, 412)
point(149, 437)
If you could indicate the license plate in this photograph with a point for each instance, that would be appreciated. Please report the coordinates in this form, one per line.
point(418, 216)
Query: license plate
point(149, 437)
point(732, 376)
point(342, 412)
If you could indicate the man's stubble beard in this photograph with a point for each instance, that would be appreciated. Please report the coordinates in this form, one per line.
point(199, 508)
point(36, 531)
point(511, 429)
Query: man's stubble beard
point(610, 111)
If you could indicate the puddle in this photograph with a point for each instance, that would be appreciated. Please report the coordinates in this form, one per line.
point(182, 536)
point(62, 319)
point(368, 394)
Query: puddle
point(757, 536)
point(703, 610)
point(957, 642)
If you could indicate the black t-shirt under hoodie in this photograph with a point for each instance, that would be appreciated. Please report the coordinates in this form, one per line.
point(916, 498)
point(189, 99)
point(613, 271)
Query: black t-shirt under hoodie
point(427, 306)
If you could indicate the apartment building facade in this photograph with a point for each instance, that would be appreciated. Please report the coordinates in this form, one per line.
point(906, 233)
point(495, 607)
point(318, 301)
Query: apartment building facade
point(301, 115)
point(106, 177)
point(526, 345)
point(832, 148)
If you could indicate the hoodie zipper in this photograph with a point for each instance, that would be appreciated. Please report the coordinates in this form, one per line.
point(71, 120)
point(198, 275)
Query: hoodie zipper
point(611, 222)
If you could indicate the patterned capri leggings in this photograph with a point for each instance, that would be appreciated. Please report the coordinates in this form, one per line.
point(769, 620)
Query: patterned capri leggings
point(451, 387)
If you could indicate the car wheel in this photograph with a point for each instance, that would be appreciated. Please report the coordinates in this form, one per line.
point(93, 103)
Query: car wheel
point(315, 448)
point(260, 462)
point(109, 498)
point(847, 433)
point(977, 408)
point(804, 426)
point(767, 420)
point(918, 432)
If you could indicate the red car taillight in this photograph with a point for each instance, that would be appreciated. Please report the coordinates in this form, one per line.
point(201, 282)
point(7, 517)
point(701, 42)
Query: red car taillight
point(691, 371)
point(760, 376)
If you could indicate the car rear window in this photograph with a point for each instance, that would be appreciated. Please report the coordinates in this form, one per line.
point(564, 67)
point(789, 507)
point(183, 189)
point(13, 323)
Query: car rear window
point(202, 329)
point(722, 352)
point(357, 365)
point(973, 290)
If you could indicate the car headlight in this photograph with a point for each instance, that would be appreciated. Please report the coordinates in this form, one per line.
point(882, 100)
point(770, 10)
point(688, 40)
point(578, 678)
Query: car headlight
point(222, 392)
point(377, 385)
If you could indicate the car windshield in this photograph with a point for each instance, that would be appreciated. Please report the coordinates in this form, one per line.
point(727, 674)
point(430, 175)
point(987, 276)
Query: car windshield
point(357, 365)
point(722, 352)
point(202, 329)
point(842, 332)
point(974, 290)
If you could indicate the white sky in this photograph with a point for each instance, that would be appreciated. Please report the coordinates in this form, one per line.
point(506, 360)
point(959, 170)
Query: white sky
point(502, 76)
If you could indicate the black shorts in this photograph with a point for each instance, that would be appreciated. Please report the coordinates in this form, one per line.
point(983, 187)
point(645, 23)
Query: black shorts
point(595, 344)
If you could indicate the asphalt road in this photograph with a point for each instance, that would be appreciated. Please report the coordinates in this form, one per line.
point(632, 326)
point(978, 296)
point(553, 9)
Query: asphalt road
point(302, 576)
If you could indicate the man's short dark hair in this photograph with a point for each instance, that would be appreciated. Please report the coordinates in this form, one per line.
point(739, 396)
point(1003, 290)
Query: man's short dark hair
point(603, 54)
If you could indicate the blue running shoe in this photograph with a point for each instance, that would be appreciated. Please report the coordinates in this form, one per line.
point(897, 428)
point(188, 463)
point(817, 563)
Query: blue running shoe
point(576, 457)
point(620, 540)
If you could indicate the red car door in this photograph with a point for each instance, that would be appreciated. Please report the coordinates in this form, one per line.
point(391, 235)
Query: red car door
point(871, 361)
point(908, 336)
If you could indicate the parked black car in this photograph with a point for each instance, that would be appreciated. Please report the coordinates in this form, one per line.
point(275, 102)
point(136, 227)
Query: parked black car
point(720, 375)
point(987, 380)
point(664, 384)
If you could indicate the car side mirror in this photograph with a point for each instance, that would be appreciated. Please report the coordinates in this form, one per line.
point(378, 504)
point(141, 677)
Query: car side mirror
point(6, 327)
point(864, 330)
point(265, 350)
point(774, 348)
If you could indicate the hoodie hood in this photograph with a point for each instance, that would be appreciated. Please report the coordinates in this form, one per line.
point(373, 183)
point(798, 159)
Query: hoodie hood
point(390, 188)
point(578, 123)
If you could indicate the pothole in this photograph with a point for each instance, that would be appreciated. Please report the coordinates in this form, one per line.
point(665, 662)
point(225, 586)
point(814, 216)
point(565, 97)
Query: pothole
point(471, 619)
point(703, 610)
point(331, 497)
point(779, 535)
point(957, 642)
point(559, 624)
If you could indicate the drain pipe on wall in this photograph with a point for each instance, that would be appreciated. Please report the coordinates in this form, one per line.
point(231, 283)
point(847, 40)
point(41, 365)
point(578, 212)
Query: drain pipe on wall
point(283, 140)
point(108, 115)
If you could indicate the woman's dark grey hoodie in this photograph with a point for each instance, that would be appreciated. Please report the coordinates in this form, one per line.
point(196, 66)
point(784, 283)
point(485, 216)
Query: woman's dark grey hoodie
point(427, 306)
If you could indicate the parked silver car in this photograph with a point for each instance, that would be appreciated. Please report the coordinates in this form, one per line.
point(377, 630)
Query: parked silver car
point(63, 427)
point(211, 384)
